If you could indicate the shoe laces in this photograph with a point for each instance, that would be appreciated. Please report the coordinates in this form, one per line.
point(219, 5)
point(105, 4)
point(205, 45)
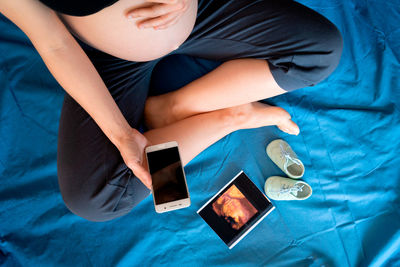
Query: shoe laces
point(287, 189)
point(288, 158)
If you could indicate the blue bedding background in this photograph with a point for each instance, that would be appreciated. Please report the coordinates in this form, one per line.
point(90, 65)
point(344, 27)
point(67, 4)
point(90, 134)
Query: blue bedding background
point(349, 143)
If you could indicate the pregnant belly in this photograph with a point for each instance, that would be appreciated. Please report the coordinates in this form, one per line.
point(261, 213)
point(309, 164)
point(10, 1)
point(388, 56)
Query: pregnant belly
point(111, 32)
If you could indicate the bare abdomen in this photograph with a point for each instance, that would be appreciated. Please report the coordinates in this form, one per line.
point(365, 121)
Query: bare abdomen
point(111, 32)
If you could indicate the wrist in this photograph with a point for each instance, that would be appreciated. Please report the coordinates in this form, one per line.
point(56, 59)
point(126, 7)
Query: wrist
point(123, 134)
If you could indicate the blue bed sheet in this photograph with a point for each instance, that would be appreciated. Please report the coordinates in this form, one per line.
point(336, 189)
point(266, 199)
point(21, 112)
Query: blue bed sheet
point(349, 143)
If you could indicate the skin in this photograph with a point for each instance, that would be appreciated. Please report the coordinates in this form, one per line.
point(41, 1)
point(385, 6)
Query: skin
point(254, 83)
point(207, 128)
point(159, 16)
point(126, 29)
point(216, 116)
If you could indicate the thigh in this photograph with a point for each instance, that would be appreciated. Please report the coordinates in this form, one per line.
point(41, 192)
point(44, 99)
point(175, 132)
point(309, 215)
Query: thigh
point(94, 181)
point(230, 29)
point(300, 45)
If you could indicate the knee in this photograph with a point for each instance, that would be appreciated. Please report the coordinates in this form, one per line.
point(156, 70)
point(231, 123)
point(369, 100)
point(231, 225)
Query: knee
point(105, 201)
point(88, 206)
point(315, 55)
point(328, 53)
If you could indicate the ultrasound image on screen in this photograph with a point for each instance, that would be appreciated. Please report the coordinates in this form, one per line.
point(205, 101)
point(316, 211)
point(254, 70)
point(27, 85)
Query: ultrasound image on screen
point(167, 175)
point(234, 207)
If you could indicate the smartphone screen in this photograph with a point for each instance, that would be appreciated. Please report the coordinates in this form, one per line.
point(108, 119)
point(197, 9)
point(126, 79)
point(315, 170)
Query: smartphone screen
point(167, 175)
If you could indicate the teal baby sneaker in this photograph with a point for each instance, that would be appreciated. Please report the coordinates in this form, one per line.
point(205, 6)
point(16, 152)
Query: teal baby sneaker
point(280, 188)
point(284, 157)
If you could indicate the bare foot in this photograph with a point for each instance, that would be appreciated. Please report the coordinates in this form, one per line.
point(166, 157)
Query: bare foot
point(254, 115)
point(158, 112)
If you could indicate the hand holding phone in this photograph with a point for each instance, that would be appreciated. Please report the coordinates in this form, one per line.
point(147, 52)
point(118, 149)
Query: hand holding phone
point(131, 148)
point(169, 185)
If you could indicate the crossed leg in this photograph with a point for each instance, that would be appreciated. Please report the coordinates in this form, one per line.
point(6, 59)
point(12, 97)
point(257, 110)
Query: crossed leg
point(95, 182)
point(278, 46)
point(234, 83)
point(208, 128)
point(269, 48)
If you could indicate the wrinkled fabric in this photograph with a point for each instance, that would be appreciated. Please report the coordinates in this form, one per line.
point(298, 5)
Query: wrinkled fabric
point(349, 144)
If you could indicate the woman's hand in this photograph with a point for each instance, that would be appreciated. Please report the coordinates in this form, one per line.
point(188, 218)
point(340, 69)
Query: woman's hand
point(132, 148)
point(160, 15)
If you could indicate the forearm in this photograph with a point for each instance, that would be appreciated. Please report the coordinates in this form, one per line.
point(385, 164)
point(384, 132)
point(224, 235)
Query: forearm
point(73, 70)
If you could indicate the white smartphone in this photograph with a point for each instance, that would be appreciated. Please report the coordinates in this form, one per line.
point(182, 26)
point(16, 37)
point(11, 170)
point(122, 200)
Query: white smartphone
point(169, 188)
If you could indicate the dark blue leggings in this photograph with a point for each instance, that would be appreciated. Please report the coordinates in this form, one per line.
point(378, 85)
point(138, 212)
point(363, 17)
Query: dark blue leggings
point(301, 47)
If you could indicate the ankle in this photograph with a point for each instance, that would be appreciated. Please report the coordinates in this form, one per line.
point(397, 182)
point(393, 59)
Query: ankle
point(237, 117)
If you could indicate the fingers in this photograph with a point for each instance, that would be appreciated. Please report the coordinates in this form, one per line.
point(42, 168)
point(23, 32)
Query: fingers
point(163, 1)
point(141, 173)
point(155, 10)
point(160, 21)
point(167, 24)
point(163, 14)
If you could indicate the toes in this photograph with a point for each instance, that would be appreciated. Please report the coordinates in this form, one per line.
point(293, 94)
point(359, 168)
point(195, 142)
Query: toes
point(289, 127)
